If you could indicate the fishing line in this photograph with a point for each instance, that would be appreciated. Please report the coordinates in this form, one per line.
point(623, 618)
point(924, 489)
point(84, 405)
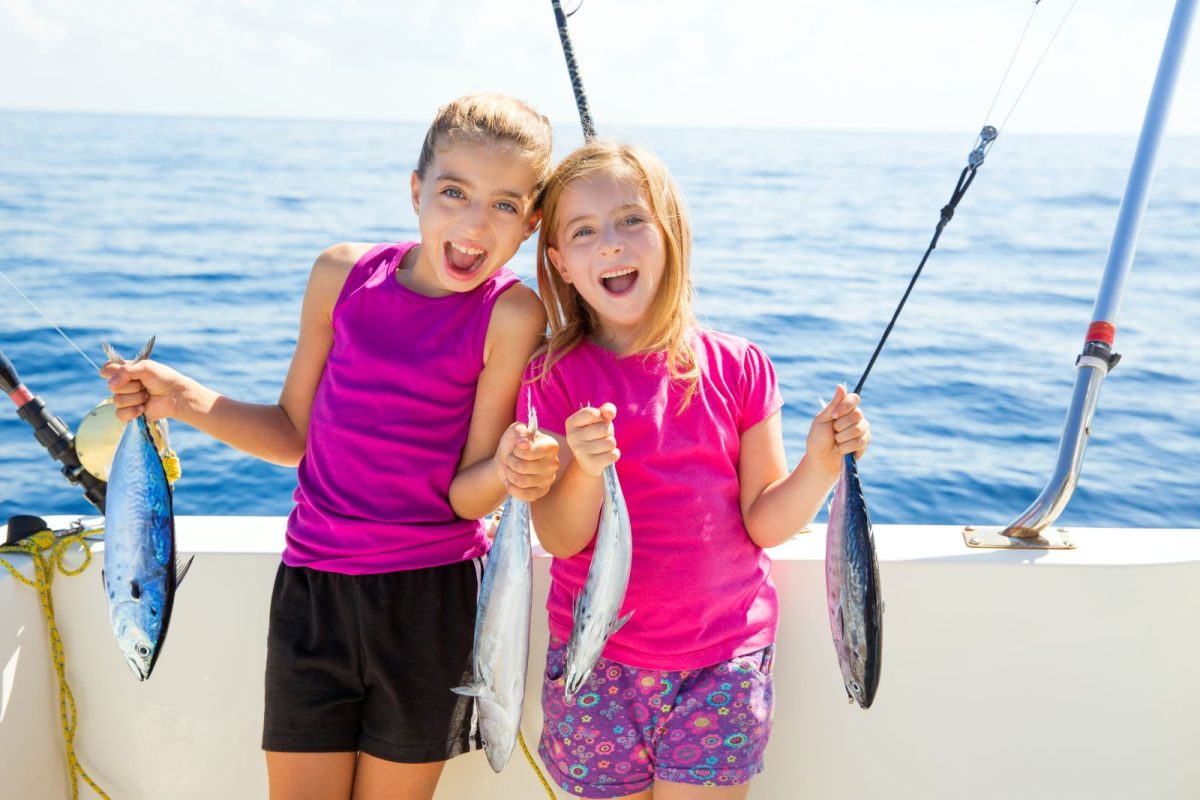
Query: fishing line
point(983, 145)
point(47, 318)
point(1011, 61)
point(1039, 63)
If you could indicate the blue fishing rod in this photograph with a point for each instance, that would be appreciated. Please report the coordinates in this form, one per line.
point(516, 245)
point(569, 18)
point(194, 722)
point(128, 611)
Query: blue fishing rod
point(1098, 357)
point(51, 433)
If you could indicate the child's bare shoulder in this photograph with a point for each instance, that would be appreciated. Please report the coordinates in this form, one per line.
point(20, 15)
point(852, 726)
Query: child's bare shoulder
point(331, 268)
point(519, 308)
point(341, 257)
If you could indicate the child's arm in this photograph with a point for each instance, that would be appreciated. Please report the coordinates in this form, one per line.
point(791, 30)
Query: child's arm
point(565, 518)
point(776, 503)
point(275, 432)
point(499, 457)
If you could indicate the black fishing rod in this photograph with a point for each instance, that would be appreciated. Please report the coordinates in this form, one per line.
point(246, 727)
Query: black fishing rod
point(581, 102)
point(52, 433)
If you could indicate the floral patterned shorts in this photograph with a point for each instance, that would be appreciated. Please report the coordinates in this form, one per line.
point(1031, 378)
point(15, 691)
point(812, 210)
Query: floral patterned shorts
point(628, 727)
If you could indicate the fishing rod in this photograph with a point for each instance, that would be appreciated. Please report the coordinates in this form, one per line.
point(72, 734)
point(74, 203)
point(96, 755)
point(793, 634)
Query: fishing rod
point(51, 432)
point(1098, 357)
point(581, 101)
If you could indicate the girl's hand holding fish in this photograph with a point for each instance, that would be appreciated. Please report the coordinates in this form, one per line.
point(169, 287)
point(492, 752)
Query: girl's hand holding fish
point(838, 429)
point(591, 438)
point(527, 465)
point(146, 387)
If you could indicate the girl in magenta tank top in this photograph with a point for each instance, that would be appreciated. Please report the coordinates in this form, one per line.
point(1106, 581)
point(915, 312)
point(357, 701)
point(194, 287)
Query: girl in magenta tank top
point(398, 412)
point(682, 692)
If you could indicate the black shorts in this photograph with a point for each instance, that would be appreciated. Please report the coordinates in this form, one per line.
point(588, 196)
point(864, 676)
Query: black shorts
point(366, 663)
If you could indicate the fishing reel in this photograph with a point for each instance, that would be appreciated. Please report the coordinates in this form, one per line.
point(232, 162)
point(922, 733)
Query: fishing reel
point(86, 456)
point(100, 433)
point(52, 433)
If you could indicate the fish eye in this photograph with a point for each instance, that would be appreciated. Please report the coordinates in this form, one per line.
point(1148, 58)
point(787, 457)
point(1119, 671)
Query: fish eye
point(143, 651)
point(855, 687)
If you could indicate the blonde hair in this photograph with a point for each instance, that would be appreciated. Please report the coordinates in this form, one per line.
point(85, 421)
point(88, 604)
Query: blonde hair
point(491, 117)
point(670, 318)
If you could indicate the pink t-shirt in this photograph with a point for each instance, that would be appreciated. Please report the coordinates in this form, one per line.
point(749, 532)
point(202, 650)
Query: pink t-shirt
point(389, 422)
point(700, 590)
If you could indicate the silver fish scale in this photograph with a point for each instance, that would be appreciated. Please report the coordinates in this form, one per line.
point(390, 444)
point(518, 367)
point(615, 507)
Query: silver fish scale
point(501, 655)
point(852, 585)
point(596, 609)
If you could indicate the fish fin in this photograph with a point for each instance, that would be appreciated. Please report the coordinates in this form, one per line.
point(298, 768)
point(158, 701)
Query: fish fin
point(576, 604)
point(181, 568)
point(620, 623)
point(144, 353)
point(135, 590)
point(475, 689)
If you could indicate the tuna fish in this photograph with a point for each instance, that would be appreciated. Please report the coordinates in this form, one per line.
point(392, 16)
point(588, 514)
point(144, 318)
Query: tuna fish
point(596, 609)
point(141, 571)
point(852, 584)
point(502, 631)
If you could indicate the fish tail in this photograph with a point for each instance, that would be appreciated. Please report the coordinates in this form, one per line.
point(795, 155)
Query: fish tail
point(533, 421)
point(144, 353)
point(110, 353)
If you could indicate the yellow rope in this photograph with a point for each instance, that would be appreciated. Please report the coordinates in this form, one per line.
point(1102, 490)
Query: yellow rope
point(532, 763)
point(36, 546)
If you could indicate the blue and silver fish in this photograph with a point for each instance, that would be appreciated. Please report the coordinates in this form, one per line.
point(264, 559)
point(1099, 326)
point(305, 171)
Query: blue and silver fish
point(141, 571)
point(852, 584)
point(501, 654)
point(596, 609)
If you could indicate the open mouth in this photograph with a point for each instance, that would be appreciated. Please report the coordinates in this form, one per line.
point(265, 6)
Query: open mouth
point(619, 281)
point(462, 260)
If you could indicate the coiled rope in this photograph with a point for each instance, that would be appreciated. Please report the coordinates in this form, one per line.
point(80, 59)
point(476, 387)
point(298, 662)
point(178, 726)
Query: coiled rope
point(47, 552)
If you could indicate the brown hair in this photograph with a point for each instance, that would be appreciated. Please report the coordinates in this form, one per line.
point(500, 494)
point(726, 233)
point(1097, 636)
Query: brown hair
point(491, 117)
point(670, 317)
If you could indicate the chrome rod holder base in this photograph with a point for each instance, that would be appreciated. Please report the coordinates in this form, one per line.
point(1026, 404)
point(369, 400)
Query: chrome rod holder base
point(993, 537)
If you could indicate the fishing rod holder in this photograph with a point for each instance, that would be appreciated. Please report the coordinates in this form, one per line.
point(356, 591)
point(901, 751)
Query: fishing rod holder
point(1098, 358)
point(1029, 530)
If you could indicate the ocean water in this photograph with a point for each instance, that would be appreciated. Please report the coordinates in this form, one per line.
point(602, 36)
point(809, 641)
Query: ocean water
point(202, 231)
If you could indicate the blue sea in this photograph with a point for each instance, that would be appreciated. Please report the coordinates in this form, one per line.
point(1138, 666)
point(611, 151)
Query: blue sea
point(202, 232)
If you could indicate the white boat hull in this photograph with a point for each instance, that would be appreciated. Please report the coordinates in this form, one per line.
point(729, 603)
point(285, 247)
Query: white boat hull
point(1053, 674)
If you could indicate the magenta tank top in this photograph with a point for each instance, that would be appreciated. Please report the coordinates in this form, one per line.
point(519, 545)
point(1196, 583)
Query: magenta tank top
point(388, 426)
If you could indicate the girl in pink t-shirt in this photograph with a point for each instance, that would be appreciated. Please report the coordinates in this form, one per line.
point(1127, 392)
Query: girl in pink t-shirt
point(679, 705)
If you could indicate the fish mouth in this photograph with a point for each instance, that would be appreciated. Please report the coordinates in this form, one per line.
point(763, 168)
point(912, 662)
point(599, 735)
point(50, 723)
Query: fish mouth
point(619, 281)
point(463, 259)
point(573, 684)
point(136, 668)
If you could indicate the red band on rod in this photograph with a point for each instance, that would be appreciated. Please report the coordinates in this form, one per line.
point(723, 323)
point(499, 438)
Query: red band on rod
point(1101, 332)
point(20, 395)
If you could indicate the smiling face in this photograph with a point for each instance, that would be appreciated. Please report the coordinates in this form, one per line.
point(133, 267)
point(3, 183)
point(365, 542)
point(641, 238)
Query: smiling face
point(475, 206)
point(610, 248)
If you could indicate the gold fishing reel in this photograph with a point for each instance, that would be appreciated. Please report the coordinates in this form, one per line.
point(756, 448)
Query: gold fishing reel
point(100, 433)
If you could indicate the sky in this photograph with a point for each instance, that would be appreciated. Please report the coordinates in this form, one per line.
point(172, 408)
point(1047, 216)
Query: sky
point(921, 65)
